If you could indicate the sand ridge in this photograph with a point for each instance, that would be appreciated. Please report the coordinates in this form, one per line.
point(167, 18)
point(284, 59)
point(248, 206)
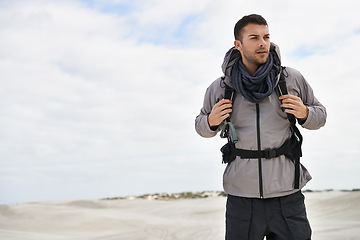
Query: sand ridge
point(333, 215)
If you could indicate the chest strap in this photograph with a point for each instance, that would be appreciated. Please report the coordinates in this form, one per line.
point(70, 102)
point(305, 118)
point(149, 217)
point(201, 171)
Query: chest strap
point(285, 149)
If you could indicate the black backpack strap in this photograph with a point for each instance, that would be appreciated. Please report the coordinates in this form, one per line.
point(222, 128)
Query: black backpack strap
point(230, 94)
point(228, 130)
point(298, 139)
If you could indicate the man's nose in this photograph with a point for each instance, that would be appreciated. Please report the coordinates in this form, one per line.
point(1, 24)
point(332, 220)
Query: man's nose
point(262, 43)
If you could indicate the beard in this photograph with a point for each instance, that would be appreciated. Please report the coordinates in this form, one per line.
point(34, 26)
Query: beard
point(254, 57)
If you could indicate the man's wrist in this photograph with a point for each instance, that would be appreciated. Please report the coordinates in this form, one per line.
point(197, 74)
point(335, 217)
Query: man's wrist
point(301, 121)
point(212, 127)
point(306, 115)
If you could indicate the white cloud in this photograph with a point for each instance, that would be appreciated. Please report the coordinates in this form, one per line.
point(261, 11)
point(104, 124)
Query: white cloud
point(92, 97)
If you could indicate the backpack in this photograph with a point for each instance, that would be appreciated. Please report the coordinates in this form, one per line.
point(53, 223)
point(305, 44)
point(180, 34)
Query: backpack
point(291, 148)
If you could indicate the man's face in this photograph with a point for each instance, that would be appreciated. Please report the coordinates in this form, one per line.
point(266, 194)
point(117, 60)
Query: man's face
point(255, 45)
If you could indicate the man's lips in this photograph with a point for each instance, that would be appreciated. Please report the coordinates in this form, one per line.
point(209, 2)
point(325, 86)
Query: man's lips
point(262, 52)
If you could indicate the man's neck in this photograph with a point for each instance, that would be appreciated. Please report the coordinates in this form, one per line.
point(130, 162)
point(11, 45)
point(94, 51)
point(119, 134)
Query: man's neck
point(250, 67)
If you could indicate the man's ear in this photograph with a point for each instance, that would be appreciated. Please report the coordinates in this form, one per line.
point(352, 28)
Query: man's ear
point(238, 45)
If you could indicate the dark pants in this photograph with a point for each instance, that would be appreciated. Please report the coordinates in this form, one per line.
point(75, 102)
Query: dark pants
point(282, 218)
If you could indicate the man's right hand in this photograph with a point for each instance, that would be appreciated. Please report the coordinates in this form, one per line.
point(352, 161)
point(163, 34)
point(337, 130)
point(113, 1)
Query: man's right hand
point(220, 112)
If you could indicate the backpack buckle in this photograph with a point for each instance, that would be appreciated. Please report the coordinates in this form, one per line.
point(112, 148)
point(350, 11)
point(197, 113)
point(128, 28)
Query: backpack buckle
point(270, 153)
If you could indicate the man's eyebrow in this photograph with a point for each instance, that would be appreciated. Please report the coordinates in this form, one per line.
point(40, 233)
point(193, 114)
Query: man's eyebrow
point(257, 35)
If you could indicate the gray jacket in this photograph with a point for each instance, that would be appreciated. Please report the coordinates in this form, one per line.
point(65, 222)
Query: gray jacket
point(241, 177)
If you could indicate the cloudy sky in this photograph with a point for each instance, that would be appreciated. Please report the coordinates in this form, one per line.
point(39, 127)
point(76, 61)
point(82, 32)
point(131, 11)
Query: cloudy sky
point(98, 98)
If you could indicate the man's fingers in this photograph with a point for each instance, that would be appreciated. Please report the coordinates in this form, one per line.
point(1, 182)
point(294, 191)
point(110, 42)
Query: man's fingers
point(223, 102)
point(226, 111)
point(294, 105)
point(225, 116)
point(220, 112)
point(222, 105)
point(289, 105)
point(226, 106)
point(287, 96)
point(290, 101)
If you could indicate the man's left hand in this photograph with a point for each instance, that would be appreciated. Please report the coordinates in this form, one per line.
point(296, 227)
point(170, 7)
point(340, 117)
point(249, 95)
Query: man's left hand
point(294, 105)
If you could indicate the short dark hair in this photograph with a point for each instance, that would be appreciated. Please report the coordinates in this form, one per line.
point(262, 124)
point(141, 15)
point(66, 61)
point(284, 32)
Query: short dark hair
point(252, 18)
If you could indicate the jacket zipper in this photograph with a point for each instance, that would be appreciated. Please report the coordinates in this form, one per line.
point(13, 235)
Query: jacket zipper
point(259, 149)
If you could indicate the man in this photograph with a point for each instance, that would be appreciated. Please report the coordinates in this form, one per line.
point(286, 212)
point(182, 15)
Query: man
point(263, 186)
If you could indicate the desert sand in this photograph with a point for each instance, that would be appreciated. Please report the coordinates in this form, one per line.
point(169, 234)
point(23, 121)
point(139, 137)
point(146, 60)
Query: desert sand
point(333, 215)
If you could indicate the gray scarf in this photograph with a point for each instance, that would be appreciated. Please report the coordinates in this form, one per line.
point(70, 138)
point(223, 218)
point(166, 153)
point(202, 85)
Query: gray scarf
point(256, 88)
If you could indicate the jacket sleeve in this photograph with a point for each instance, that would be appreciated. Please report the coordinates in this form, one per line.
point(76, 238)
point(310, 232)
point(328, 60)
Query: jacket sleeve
point(212, 96)
point(316, 111)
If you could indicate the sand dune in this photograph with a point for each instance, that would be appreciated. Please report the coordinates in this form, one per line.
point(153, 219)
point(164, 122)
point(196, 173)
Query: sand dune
point(333, 215)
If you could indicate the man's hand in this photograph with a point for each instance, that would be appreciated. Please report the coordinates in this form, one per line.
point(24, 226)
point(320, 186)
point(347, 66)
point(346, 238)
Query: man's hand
point(220, 112)
point(294, 105)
